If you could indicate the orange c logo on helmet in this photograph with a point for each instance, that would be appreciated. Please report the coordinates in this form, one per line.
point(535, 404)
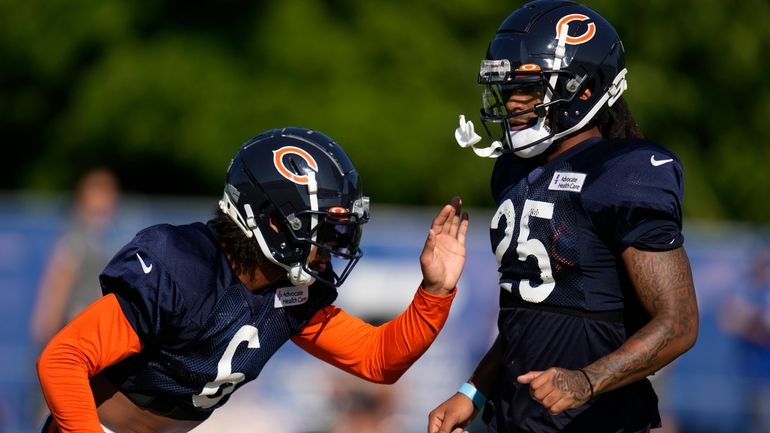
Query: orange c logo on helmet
point(580, 39)
point(528, 67)
point(334, 211)
point(278, 155)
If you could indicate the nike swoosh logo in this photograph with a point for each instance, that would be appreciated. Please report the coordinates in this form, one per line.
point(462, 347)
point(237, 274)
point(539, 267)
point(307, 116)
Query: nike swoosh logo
point(145, 268)
point(659, 162)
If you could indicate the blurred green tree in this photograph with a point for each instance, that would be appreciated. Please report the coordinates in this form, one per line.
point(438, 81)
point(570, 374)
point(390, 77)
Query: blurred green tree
point(164, 91)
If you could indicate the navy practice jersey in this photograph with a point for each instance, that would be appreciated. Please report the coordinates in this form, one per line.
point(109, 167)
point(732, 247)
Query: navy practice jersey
point(204, 334)
point(565, 297)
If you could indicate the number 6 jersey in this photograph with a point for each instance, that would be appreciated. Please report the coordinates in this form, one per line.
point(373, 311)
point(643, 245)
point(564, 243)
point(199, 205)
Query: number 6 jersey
point(177, 332)
point(204, 333)
point(565, 298)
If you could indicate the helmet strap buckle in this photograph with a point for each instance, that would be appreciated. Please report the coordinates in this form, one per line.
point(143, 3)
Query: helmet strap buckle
point(618, 86)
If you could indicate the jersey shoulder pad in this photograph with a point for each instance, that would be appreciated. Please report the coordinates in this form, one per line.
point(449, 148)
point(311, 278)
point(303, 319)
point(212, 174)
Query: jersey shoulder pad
point(164, 279)
point(633, 191)
point(631, 171)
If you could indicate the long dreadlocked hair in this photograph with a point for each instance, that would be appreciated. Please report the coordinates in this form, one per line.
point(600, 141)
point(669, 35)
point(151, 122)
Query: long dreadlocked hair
point(617, 122)
point(243, 252)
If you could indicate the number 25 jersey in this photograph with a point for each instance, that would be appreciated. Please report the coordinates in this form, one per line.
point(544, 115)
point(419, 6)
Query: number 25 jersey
point(560, 228)
point(565, 297)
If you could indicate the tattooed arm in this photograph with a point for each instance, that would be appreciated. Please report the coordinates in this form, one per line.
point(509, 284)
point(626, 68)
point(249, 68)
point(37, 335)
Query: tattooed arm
point(663, 282)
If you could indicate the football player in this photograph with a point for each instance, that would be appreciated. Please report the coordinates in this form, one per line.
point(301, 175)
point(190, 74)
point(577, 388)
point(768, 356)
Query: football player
point(596, 291)
point(192, 312)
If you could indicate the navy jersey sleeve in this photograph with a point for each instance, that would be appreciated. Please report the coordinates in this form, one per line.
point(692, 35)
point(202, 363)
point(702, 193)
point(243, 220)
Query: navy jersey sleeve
point(636, 199)
point(149, 297)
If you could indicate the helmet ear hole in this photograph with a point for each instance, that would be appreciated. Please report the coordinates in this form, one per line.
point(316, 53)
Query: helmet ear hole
point(274, 222)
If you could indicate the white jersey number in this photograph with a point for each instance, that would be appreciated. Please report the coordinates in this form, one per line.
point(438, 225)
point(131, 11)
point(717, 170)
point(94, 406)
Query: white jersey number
point(526, 247)
point(226, 378)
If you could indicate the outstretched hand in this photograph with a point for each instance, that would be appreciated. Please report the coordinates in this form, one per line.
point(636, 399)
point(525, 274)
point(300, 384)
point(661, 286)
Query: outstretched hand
point(443, 255)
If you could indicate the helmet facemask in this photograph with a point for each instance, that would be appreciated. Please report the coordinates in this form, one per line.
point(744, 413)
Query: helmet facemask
point(500, 83)
point(333, 238)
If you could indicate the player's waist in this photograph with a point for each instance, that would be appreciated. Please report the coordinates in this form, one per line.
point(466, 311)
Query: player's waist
point(615, 316)
point(167, 406)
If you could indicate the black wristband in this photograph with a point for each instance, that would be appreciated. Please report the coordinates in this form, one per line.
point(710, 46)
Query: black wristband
point(590, 385)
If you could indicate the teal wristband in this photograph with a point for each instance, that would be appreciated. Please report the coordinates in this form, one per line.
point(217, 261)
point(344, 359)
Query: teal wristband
point(474, 394)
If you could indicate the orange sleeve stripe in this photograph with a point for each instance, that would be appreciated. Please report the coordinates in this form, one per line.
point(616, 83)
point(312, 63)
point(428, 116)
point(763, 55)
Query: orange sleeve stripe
point(377, 353)
point(100, 336)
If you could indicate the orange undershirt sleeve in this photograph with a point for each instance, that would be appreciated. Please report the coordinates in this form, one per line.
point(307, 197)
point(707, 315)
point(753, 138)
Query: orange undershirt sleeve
point(100, 336)
point(376, 353)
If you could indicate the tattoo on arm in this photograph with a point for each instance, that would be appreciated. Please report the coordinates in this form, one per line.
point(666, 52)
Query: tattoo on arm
point(573, 382)
point(663, 283)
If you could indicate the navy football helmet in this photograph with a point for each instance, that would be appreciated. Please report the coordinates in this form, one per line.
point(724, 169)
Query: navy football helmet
point(556, 49)
point(303, 182)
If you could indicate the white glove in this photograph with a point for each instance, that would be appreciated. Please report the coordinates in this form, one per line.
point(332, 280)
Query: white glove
point(465, 135)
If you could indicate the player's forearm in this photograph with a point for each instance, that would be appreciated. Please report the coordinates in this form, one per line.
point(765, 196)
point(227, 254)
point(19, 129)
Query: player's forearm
point(663, 282)
point(651, 348)
point(423, 318)
point(379, 354)
point(100, 336)
point(64, 380)
point(400, 342)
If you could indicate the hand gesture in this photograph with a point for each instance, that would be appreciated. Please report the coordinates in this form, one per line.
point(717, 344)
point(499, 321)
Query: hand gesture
point(558, 389)
point(443, 255)
point(451, 416)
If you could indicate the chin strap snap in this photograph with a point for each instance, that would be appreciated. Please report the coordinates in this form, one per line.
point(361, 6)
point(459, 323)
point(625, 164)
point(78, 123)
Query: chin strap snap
point(619, 85)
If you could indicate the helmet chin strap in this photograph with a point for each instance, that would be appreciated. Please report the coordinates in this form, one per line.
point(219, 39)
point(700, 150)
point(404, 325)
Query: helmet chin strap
point(228, 207)
point(297, 274)
point(296, 271)
point(618, 86)
point(250, 229)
